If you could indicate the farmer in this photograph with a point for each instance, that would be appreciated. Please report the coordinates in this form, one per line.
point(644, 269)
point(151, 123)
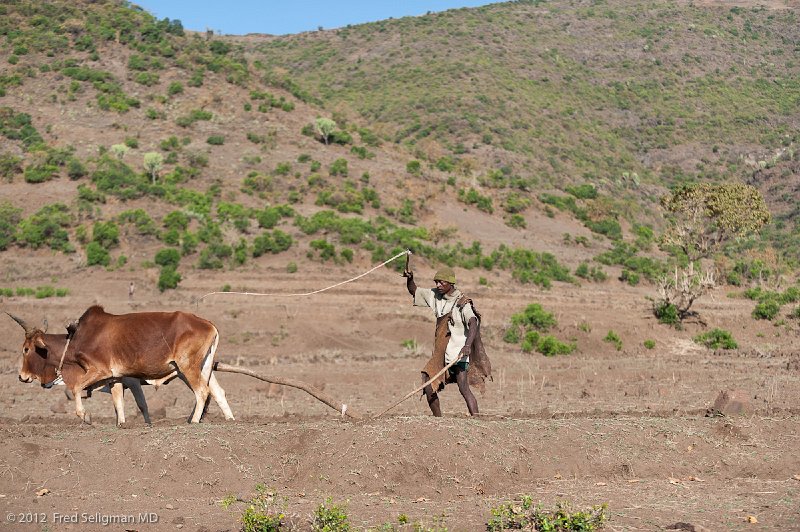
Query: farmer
point(457, 336)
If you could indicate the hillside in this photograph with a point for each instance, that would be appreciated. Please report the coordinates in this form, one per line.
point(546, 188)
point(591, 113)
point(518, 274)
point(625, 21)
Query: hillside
point(566, 91)
point(610, 103)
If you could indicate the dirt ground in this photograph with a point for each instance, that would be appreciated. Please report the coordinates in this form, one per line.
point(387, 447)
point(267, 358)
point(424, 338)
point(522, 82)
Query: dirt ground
point(627, 428)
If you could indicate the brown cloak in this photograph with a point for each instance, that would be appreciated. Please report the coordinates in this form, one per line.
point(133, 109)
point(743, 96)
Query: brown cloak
point(480, 368)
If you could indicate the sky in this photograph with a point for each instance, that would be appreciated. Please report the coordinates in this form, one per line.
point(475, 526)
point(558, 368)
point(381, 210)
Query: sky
point(238, 17)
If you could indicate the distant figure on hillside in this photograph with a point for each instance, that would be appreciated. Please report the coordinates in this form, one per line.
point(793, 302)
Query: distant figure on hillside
point(457, 337)
point(131, 290)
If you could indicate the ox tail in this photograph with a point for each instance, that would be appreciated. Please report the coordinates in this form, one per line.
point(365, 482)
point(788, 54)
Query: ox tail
point(208, 363)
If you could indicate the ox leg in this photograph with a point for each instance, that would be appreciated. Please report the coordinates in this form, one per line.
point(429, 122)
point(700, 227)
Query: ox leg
point(91, 376)
point(138, 394)
point(195, 382)
point(201, 396)
point(198, 377)
point(219, 396)
point(118, 396)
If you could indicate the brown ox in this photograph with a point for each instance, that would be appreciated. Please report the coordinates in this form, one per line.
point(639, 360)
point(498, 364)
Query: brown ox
point(41, 356)
point(150, 346)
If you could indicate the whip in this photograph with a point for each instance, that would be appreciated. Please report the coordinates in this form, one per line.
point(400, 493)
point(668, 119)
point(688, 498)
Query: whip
point(384, 263)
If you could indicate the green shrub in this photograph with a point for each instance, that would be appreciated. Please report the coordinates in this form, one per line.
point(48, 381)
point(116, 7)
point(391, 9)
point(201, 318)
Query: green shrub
point(211, 257)
point(325, 248)
point(216, 140)
point(524, 515)
point(75, 168)
point(593, 273)
point(140, 219)
point(361, 152)
point(473, 197)
point(106, 234)
point(196, 80)
point(716, 339)
point(291, 267)
point(549, 346)
point(168, 257)
point(257, 520)
point(189, 242)
point(46, 228)
point(515, 203)
point(339, 167)
point(534, 317)
point(274, 242)
point(666, 313)
point(627, 276)
point(606, 226)
point(10, 217)
point(283, 169)
point(766, 310)
point(625, 255)
point(113, 176)
point(168, 278)
point(43, 292)
point(511, 335)
point(414, 167)
point(585, 191)
point(260, 514)
point(330, 517)
point(147, 79)
point(177, 220)
point(649, 344)
point(613, 338)
point(176, 87)
point(97, 255)
point(10, 165)
point(517, 221)
point(40, 173)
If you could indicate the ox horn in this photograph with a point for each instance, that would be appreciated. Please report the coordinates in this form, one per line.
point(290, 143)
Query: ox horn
point(20, 321)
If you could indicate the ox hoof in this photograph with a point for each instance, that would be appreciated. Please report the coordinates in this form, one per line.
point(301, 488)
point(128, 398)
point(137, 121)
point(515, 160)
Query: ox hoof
point(87, 418)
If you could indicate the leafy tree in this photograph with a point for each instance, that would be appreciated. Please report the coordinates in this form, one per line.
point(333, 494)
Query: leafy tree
point(119, 150)
point(324, 127)
point(153, 162)
point(702, 218)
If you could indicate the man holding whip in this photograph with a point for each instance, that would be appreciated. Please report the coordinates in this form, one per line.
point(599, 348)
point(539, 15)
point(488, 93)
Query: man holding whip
point(457, 340)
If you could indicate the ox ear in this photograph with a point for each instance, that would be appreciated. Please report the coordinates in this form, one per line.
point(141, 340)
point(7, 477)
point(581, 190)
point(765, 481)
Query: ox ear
point(72, 327)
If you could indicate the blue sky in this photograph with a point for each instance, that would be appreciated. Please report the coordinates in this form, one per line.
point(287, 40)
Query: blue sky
point(238, 17)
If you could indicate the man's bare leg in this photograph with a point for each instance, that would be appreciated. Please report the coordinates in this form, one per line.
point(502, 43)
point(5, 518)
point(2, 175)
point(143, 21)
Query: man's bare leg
point(432, 397)
point(466, 393)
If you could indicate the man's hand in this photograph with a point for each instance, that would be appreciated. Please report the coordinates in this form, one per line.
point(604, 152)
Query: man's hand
point(465, 351)
point(408, 274)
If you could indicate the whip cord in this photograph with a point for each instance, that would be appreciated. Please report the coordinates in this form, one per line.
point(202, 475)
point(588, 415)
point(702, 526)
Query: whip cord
point(384, 263)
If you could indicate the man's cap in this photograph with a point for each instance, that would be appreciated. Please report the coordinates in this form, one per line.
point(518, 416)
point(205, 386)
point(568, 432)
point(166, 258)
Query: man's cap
point(445, 274)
